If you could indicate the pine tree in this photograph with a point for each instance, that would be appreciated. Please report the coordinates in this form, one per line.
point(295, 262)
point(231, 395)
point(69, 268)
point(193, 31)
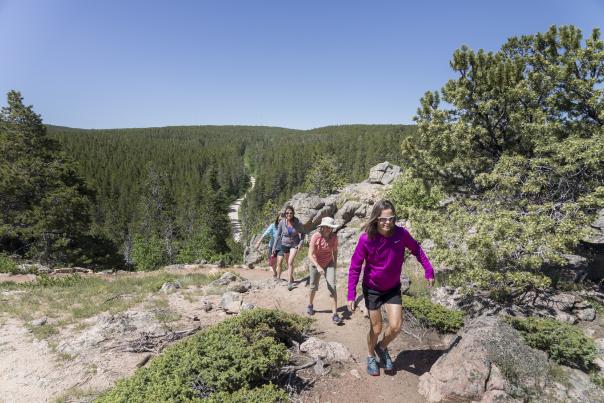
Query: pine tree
point(45, 205)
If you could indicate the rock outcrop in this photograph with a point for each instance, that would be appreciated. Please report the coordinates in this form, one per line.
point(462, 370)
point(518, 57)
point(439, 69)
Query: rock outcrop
point(490, 363)
point(350, 207)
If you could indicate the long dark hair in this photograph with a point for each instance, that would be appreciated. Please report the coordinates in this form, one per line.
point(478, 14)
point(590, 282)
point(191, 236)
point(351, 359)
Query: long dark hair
point(289, 207)
point(371, 227)
point(277, 218)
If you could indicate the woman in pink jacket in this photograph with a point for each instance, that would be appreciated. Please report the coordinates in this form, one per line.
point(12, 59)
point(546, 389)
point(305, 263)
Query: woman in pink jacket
point(382, 249)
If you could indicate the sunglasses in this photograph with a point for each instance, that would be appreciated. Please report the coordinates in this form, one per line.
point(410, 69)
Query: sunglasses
point(384, 220)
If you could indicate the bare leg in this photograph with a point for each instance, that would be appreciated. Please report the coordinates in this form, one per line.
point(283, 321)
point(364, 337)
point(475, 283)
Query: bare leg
point(394, 312)
point(375, 328)
point(290, 263)
point(274, 267)
point(334, 307)
point(279, 266)
point(311, 297)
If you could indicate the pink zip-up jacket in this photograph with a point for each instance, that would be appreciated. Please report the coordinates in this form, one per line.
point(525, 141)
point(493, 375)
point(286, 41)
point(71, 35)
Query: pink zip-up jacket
point(384, 257)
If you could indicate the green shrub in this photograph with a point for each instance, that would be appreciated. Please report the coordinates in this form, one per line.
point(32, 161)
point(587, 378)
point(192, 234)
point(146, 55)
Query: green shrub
point(564, 343)
point(408, 192)
point(502, 286)
point(226, 361)
point(7, 265)
point(147, 253)
point(44, 280)
point(434, 315)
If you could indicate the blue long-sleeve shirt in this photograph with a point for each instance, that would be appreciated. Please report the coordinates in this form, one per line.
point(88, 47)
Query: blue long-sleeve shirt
point(271, 231)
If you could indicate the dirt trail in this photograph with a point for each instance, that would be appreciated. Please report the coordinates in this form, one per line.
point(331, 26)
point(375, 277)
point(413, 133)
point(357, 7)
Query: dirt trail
point(30, 371)
point(411, 358)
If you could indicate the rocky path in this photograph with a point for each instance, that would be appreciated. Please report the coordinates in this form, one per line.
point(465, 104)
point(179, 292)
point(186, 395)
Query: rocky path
point(35, 371)
point(234, 213)
point(351, 383)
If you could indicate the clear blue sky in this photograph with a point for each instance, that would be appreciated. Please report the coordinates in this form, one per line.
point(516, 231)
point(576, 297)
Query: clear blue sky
point(297, 64)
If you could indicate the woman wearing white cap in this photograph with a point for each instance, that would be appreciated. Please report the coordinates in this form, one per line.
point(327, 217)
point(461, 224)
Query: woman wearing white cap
point(323, 255)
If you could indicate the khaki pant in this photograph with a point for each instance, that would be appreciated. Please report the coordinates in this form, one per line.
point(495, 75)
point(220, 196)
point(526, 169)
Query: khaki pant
point(330, 276)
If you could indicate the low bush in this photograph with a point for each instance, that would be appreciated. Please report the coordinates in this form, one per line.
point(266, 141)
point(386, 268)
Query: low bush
point(564, 343)
point(434, 315)
point(235, 360)
point(502, 286)
point(7, 265)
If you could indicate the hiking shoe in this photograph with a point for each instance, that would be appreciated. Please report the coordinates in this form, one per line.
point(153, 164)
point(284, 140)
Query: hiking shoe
point(372, 367)
point(385, 359)
point(290, 286)
point(310, 310)
point(336, 319)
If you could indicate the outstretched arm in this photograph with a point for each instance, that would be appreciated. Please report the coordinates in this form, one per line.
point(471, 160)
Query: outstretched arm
point(417, 251)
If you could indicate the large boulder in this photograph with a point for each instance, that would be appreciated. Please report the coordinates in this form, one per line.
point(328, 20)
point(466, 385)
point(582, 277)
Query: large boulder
point(310, 209)
point(490, 360)
point(384, 173)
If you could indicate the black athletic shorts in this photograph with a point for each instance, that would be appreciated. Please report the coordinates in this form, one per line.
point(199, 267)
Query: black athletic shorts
point(375, 299)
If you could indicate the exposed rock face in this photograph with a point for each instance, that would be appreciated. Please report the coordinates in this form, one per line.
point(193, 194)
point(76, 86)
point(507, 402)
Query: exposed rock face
point(576, 387)
point(355, 202)
point(473, 370)
point(310, 209)
point(384, 173)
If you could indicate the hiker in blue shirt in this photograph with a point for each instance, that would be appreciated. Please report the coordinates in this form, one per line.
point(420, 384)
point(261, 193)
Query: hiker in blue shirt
point(271, 231)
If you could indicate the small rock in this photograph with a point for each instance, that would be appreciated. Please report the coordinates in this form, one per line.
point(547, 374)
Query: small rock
point(240, 287)
point(250, 265)
point(600, 344)
point(207, 306)
point(328, 351)
point(588, 314)
point(170, 286)
point(231, 302)
point(246, 306)
point(355, 373)
point(39, 322)
point(64, 270)
point(225, 279)
point(566, 317)
point(321, 368)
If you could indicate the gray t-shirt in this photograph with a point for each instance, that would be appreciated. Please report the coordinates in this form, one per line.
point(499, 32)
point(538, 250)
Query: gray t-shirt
point(289, 236)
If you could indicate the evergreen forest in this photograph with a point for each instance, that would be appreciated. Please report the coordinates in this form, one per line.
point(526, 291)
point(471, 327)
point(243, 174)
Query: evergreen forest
point(155, 196)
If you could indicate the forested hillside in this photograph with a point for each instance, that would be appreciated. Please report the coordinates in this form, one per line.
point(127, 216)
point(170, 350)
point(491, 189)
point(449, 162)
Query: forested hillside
point(317, 161)
point(162, 194)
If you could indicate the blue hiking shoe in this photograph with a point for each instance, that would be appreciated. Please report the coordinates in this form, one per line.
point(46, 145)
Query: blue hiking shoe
point(310, 310)
point(372, 367)
point(385, 359)
point(336, 319)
